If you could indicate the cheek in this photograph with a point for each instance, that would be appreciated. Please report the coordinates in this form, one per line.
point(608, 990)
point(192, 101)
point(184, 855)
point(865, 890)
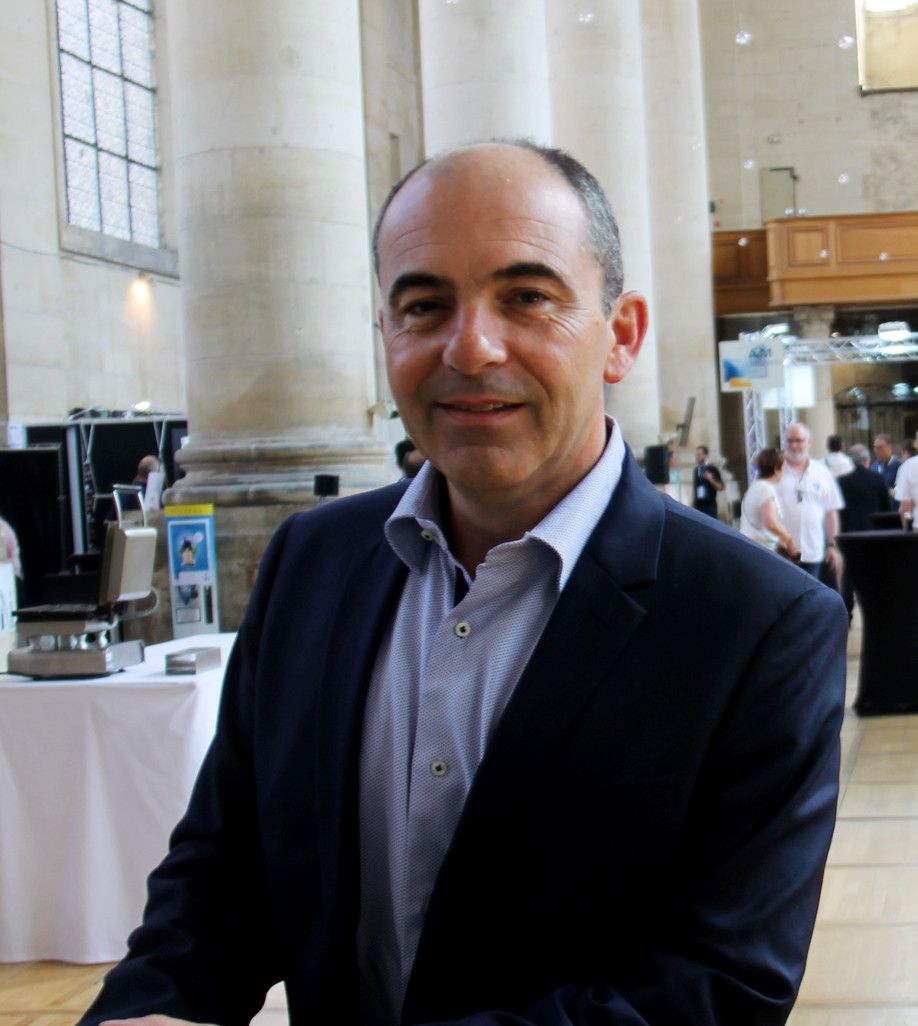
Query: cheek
point(402, 364)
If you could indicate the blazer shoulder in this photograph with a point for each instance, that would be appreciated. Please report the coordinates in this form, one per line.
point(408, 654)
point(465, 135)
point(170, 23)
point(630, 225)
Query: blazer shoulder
point(351, 520)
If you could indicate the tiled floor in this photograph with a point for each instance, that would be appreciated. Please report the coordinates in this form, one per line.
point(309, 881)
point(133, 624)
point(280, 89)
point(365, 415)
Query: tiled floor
point(863, 967)
point(46, 993)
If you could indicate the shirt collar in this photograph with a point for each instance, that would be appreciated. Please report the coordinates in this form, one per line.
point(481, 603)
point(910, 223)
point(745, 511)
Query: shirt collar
point(417, 520)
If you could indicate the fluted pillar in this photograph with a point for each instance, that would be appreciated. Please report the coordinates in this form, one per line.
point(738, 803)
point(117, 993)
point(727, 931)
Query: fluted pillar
point(485, 71)
point(271, 183)
point(680, 239)
point(598, 113)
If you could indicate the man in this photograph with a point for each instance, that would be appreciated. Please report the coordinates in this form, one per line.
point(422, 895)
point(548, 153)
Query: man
point(706, 483)
point(463, 769)
point(408, 457)
point(906, 490)
point(864, 493)
point(837, 460)
point(886, 463)
point(810, 501)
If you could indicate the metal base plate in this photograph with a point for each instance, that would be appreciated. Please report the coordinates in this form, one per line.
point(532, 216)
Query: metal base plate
point(61, 664)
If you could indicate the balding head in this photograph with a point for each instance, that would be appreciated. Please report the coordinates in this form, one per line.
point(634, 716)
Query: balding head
point(602, 229)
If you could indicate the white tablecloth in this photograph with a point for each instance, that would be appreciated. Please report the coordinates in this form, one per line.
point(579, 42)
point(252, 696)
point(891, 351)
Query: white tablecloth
point(93, 776)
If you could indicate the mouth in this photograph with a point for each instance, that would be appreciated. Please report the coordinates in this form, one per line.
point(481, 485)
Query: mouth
point(481, 407)
point(478, 413)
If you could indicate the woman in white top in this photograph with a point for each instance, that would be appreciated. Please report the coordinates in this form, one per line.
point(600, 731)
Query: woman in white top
point(760, 514)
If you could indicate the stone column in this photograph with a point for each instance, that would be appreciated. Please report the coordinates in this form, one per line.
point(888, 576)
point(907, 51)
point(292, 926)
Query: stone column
point(680, 233)
point(272, 210)
point(816, 322)
point(484, 71)
point(598, 113)
point(273, 240)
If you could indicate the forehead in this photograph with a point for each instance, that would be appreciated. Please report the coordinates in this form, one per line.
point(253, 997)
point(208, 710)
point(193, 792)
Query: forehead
point(486, 204)
point(797, 435)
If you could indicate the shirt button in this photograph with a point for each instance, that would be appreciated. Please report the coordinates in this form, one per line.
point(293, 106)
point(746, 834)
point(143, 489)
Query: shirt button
point(427, 535)
point(463, 629)
point(439, 768)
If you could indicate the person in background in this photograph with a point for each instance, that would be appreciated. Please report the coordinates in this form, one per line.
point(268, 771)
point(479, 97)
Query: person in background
point(810, 501)
point(9, 547)
point(760, 514)
point(706, 483)
point(886, 463)
point(865, 493)
point(409, 457)
point(149, 477)
point(836, 459)
point(906, 490)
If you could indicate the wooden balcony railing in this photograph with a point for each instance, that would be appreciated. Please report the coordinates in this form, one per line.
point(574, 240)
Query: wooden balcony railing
point(856, 258)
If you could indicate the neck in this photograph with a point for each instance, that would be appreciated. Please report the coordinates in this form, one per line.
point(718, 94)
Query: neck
point(475, 528)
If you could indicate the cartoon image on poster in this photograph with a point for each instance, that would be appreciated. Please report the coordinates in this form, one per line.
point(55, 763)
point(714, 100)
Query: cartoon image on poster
point(190, 558)
point(191, 562)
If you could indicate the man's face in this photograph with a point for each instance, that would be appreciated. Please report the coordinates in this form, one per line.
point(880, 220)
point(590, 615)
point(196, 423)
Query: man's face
point(700, 456)
point(797, 443)
point(882, 449)
point(496, 340)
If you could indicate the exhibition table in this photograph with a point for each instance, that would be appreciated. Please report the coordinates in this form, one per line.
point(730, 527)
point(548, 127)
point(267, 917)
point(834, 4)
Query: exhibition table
point(883, 567)
point(94, 774)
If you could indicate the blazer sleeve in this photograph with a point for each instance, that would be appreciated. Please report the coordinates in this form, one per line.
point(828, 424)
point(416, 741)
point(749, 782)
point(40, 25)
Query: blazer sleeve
point(729, 944)
point(207, 949)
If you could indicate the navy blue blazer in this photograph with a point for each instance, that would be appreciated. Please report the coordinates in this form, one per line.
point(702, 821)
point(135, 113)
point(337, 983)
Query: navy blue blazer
point(643, 843)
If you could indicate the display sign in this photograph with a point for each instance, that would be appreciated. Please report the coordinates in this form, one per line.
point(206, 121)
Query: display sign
point(192, 570)
point(751, 363)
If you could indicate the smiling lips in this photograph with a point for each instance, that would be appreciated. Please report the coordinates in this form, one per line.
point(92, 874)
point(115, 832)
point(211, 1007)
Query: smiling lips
point(478, 411)
point(480, 407)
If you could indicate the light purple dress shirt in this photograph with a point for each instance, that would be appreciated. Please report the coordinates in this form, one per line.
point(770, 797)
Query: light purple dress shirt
point(443, 676)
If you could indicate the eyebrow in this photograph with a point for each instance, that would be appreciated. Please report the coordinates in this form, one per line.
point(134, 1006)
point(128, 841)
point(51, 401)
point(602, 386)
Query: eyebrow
point(414, 280)
point(530, 269)
point(521, 269)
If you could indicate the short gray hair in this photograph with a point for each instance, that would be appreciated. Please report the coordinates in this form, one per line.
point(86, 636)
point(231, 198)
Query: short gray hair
point(859, 453)
point(605, 243)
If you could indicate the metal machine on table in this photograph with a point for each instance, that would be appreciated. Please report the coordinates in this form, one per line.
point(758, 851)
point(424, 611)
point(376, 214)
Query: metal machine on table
point(76, 639)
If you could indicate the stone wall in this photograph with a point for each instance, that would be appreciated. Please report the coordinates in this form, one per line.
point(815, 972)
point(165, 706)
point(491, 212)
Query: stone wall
point(787, 95)
point(73, 335)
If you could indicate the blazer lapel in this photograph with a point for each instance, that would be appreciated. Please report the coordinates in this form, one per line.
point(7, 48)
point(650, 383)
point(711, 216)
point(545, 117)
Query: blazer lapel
point(373, 583)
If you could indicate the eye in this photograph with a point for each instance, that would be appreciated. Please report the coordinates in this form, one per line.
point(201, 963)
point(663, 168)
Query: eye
point(419, 307)
point(529, 297)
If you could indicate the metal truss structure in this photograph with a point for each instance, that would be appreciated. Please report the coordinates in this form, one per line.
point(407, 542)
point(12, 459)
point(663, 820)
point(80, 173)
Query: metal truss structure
point(799, 352)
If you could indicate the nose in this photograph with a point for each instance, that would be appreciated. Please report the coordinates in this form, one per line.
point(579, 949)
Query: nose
point(476, 343)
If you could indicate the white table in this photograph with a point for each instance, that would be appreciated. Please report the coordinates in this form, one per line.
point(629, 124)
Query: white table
point(93, 776)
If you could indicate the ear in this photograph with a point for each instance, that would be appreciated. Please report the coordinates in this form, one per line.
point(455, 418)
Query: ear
point(628, 321)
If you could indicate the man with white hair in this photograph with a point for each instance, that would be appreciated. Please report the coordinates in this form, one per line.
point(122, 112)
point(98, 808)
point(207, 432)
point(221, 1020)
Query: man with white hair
point(810, 501)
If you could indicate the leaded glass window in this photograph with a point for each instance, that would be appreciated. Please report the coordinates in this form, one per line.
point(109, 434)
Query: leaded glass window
point(107, 95)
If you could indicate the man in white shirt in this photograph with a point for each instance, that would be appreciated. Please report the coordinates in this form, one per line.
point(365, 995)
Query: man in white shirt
point(810, 501)
point(906, 490)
